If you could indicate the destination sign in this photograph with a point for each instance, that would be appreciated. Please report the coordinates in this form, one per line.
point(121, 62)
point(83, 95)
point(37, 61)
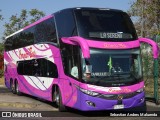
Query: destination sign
point(110, 35)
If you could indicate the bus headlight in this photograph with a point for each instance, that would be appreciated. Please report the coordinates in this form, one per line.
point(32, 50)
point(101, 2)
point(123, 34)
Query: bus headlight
point(140, 90)
point(88, 92)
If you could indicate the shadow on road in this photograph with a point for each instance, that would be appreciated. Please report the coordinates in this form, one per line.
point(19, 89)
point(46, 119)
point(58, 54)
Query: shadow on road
point(4, 90)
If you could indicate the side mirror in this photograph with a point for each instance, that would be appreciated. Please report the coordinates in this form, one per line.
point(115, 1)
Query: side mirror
point(154, 45)
point(78, 41)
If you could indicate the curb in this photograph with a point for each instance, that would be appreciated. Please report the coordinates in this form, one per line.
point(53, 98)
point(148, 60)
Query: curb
point(152, 104)
point(2, 86)
point(18, 105)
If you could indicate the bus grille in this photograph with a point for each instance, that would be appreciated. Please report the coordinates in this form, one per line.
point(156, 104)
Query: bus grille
point(114, 97)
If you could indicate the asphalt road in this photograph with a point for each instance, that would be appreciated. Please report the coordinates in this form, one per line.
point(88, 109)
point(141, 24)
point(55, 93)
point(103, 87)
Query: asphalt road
point(25, 104)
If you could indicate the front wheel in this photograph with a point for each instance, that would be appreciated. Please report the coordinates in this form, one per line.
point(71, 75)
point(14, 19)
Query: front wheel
point(58, 100)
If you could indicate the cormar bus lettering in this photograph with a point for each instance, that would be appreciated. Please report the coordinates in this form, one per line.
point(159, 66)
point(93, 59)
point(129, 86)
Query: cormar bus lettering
point(111, 90)
point(28, 54)
point(120, 45)
point(122, 90)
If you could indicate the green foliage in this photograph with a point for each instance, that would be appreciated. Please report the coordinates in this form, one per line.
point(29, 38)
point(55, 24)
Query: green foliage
point(1, 18)
point(147, 13)
point(1, 73)
point(1, 48)
point(20, 21)
point(36, 15)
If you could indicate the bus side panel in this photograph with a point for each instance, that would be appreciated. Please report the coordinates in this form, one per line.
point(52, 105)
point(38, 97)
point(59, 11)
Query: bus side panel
point(9, 69)
point(69, 92)
point(41, 87)
point(33, 85)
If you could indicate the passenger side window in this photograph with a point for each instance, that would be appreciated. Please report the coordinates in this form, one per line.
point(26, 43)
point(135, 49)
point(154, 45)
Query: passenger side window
point(37, 67)
point(46, 32)
point(52, 70)
point(8, 44)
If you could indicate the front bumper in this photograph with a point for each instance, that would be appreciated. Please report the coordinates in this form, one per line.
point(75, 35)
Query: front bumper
point(104, 104)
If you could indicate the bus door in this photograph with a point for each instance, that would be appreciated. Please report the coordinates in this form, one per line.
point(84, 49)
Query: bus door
point(71, 65)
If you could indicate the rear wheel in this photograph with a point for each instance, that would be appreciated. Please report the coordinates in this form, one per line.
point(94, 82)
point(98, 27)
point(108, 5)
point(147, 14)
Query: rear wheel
point(12, 86)
point(17, 88)
point(58, 99)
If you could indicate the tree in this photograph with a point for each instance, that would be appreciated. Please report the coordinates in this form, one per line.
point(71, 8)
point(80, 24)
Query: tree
point(1, 59)
point(25, 18)
point(1, 48)
point(147, 13)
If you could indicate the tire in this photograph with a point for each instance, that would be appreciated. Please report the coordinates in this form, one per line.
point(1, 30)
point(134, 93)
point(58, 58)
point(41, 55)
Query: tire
point(12, 86)
point(58, 100)
point(17, 88)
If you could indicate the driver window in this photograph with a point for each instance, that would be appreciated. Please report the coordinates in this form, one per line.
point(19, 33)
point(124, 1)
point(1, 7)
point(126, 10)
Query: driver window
point(70, 60)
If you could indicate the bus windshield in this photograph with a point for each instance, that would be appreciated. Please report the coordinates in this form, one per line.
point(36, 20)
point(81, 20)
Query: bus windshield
point(112, 67)
point(105, 25)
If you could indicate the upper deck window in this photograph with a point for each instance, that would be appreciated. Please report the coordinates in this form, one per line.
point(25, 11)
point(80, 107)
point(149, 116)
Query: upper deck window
point(105, 25)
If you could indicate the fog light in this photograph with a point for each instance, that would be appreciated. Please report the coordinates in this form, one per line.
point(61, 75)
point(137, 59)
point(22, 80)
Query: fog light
point(90, 103)
point(141, 100)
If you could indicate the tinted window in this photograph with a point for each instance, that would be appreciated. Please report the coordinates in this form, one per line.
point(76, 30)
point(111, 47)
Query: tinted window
point(8, 44)
point(27, 37)
point(45, 31)
point(37, 67)
point(71, 60)
point(65, 23)
point(42, 32)
point(16, 43)
point(20, 40)
point(20, 68)
point(105, 25)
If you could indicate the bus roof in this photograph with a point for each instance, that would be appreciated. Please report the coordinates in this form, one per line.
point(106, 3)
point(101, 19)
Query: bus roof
point(49, 16)
point(89, 8)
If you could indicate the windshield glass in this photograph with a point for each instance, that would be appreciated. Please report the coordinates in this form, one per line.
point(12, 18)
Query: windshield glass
point(105, 25)
point(112, 67)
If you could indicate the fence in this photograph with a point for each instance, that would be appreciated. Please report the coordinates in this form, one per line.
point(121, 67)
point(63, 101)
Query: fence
point(151, 71)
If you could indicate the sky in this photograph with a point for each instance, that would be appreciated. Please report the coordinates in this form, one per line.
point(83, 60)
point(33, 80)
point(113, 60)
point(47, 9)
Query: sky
point(13, 7)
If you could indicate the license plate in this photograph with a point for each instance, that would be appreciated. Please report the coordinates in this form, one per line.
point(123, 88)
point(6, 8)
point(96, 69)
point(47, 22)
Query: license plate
point(118, 107)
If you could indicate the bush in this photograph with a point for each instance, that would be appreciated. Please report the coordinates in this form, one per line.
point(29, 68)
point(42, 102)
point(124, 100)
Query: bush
point(1, 73)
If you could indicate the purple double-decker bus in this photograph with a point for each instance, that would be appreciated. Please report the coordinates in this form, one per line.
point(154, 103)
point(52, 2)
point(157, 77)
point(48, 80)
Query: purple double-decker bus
point(83, 58)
